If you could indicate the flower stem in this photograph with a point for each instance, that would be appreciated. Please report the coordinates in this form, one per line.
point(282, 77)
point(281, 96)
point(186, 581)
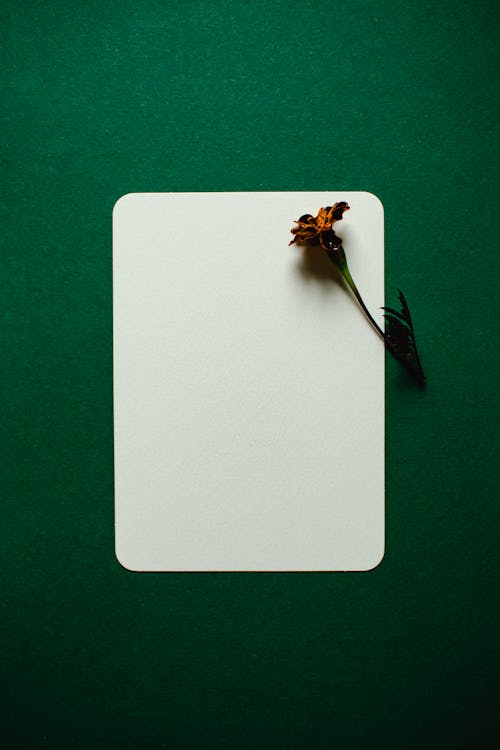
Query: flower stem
point(347, 276)
point(338, 259)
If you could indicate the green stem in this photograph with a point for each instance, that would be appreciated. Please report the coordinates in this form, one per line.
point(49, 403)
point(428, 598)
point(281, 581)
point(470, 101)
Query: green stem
point(338, 259)
point(347, 276)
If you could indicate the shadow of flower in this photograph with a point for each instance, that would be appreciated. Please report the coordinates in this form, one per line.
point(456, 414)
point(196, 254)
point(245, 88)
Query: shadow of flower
point(313, 265)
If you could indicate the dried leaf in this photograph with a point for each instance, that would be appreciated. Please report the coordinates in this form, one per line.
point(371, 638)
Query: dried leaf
point(400, 338)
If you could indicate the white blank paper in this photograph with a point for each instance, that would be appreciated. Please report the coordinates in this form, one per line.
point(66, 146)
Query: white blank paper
point(248, 386)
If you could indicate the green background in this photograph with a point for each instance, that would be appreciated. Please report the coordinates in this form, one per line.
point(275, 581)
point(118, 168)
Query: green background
point(105, 98)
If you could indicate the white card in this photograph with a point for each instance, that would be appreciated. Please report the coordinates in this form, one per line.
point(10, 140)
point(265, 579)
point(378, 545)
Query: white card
point(248, 386)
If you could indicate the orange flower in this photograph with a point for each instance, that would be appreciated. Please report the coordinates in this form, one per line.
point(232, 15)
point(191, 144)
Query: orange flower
point(316, 230)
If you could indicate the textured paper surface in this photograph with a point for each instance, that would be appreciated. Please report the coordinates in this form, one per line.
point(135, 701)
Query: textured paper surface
point(248, 387)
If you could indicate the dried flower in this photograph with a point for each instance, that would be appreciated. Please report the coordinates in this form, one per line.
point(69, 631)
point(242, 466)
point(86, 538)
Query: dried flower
point(315, 230)
point(399, 338)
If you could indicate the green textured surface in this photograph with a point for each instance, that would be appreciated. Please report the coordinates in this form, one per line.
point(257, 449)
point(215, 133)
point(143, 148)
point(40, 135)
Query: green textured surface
point(105, 98)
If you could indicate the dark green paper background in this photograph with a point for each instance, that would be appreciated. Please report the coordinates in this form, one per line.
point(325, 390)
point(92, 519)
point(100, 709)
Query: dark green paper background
point(105, 98)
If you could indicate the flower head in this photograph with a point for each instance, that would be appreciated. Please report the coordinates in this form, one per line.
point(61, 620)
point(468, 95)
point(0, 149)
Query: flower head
point(318, 230)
